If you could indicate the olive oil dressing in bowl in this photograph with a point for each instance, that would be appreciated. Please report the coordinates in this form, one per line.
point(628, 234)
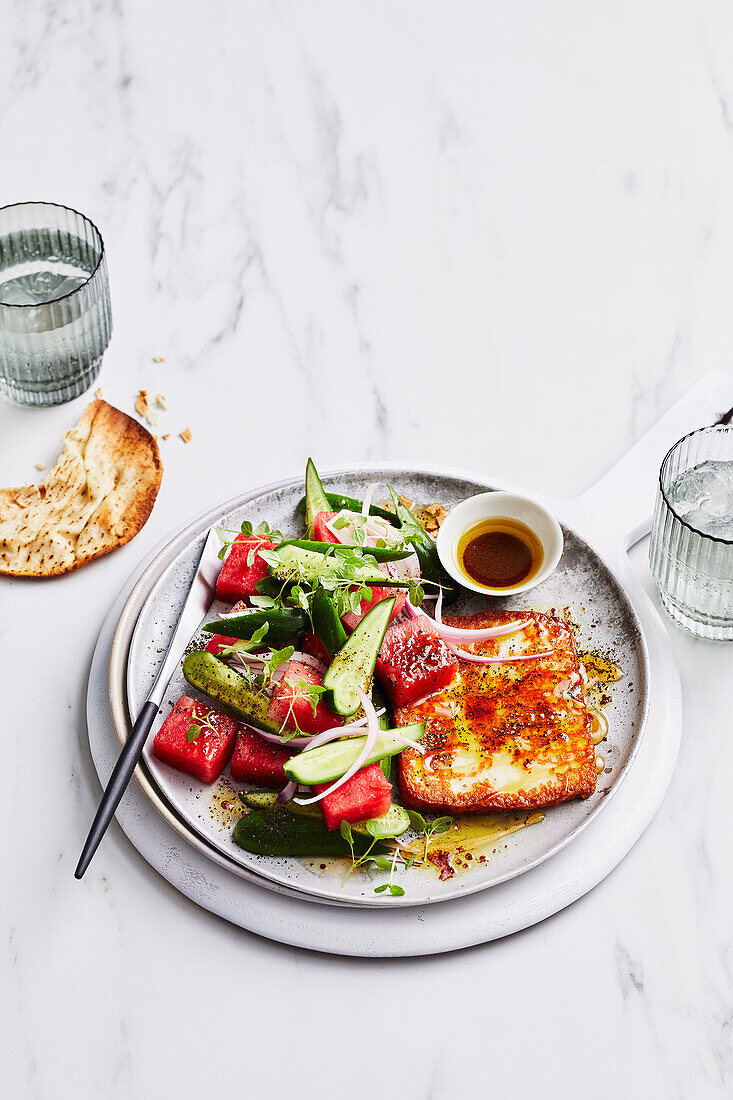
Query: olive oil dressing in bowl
point(500, 543)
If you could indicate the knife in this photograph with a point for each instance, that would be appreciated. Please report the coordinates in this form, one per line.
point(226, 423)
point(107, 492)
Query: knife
point(198, 602)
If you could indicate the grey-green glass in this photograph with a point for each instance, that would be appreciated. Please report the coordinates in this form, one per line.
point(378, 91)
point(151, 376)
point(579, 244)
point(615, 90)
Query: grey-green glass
point(55, 319)
point(693, 570)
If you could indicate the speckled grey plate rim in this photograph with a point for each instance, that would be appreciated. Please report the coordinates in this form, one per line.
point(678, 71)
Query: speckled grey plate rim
point(462, 886)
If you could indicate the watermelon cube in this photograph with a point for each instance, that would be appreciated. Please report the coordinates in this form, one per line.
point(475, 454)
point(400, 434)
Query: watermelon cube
point(414, 661)
point(352, 619)
point(313, 645)
point(291, 705)
point(205, 754)
point(243, 568)
point(257, 761)
point(367, 794)
point(321, 533)
point(218, 641)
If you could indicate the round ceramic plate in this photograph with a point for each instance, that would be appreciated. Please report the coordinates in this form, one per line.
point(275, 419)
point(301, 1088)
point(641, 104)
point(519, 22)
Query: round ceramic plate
point(582, 583)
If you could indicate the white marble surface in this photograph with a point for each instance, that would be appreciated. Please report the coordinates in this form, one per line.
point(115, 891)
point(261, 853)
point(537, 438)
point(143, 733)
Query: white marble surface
point(495, 235)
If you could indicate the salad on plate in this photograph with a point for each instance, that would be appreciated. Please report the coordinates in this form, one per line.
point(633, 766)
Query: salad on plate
point(359, 722)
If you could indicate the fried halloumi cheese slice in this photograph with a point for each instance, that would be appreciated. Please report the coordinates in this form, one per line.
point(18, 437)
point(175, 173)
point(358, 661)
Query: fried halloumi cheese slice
point(504, 737)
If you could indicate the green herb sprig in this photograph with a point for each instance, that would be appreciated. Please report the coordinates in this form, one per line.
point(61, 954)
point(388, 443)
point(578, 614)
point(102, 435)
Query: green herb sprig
point(428, 829)
point(248, 529)
point(382, 863)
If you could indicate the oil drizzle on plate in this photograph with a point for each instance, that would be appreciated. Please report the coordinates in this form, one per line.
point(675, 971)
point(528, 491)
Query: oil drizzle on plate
point(465, 844)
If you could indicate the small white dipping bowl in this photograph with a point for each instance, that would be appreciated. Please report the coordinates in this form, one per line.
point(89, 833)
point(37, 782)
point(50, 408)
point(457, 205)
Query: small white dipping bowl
point(484, 506)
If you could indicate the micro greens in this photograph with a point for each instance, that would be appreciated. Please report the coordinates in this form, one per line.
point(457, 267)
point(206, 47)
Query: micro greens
point(382, 863)
point(410, 526)
point(278, 657)
point(429, 828)
point(300, 690)
point(255, 642)
point(417, 594)
point(265, 603)
point(201, 722)
point(311, 692)
point(395, 890)
point(248, 529)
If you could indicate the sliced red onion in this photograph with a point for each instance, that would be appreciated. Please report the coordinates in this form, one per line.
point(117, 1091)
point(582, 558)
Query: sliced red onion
point(405, 567)
point(416, 745)
point(370, 741)
point(287, 792)
point(277, 739)
point(255, 663)
point(466, 634)
point(368, 497)
point(372, 529)
point(480, 659)
point(353, 729)
point(310, 660)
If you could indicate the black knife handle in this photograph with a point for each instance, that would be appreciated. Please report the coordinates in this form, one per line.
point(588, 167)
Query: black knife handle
point(113, 792)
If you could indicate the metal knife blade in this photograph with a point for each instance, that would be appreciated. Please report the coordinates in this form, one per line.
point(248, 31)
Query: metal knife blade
point(198, 601)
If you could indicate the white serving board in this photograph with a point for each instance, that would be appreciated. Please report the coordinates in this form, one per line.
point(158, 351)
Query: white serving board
point(610, 516)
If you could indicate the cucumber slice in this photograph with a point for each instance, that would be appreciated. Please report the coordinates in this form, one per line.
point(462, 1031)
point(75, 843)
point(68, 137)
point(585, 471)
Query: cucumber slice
point(330, 762)
point(379, 553)
point(326, 622)
point(215, 679)
point(295, 563)
point(395, 822)
point(353, 665)
point(265, 833)
point(315, 495)
point(283, 625)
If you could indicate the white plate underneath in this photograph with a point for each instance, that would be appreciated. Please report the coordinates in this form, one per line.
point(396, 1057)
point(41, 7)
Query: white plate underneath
point(618, 504)
point(209, 878)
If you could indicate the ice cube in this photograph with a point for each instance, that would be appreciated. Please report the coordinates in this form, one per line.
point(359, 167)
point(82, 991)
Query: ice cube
point(703, 496)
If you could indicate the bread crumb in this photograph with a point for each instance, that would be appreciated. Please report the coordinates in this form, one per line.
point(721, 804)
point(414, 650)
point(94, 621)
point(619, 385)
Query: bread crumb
point(141, 404)
point(98, 393)
point(167, 436)
point(160, 401)
point(185, 435)
point(41, 466)
point(152, 416)
point(158, 359)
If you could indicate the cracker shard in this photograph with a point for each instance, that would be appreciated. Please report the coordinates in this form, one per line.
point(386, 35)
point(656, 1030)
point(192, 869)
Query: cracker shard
point(96, 498)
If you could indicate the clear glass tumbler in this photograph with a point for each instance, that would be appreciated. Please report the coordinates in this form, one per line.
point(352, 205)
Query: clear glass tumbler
point(691, 552)
point(55, 319)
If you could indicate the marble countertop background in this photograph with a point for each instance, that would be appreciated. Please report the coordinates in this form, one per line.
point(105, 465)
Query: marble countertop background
point(494, 235)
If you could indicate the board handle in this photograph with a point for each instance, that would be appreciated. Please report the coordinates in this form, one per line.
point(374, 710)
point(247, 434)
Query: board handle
point(619, 507)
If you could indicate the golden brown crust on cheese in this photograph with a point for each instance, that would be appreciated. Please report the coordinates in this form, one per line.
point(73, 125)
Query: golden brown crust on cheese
point(504, 737)
point(96, 498)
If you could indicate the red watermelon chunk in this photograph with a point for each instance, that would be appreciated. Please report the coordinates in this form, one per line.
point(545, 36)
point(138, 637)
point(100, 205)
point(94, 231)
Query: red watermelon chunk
point(257, 761)
point(291, 707)
point(218, 641)
point(239, 575)
point(367, 794)
point(352, 619)
point(313, 645)
point(205, 756)
point(321, 533)
point(414, 661)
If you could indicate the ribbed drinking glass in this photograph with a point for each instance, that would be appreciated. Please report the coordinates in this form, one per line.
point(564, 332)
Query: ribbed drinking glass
point(691, 552)
point(55, 319)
